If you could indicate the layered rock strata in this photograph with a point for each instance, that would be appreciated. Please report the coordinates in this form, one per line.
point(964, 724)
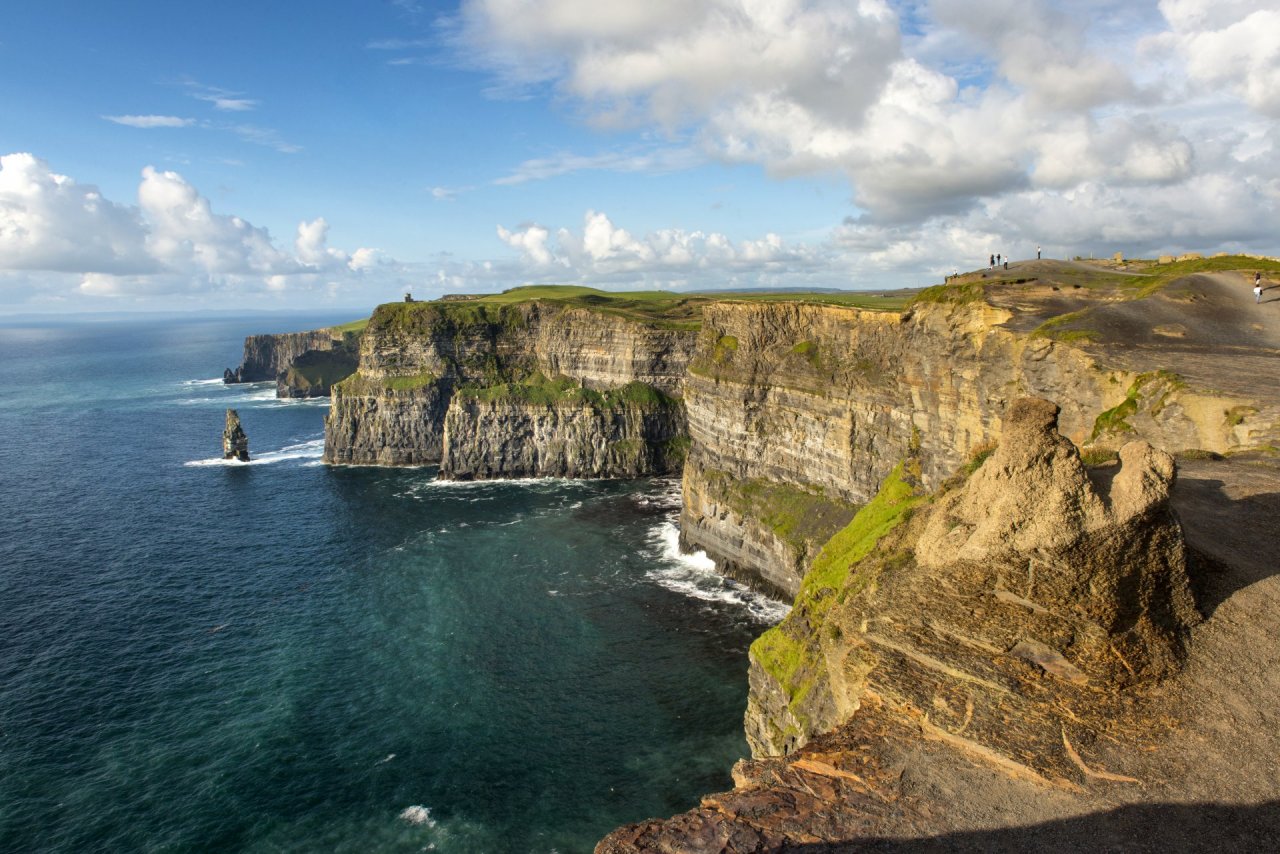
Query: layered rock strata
point(235, 444)
point(266, 357)
point(827, 400)
point(995, 635)
point(1035, 562)
point(513, 390)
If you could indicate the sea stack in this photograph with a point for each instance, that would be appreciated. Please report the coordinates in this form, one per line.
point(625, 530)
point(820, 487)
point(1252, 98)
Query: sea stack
point(235, 444)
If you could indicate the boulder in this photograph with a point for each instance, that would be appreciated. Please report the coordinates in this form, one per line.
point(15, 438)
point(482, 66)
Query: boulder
point(1102, 545)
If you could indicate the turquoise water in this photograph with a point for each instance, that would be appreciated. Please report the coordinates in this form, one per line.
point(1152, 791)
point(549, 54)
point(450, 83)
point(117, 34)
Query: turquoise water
point(285, 656)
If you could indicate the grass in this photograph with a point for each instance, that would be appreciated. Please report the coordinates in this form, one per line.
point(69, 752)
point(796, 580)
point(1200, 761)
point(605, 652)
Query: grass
point(355, 327)
point(809, 351)
point(796, 515)
point(358, 384)
point(1058, 328)
point(663, 309)
point(786, 651)
point(1144, 386)
point(957, 294)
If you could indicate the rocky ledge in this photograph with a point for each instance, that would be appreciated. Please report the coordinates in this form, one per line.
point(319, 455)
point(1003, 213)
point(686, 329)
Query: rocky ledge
point(1016, 661)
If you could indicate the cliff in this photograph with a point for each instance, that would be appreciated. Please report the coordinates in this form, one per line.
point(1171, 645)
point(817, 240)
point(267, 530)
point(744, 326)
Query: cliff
point(518, 387)
point(303, 364)
point(1015, 662)
point(973, 584)
point(1005, 631)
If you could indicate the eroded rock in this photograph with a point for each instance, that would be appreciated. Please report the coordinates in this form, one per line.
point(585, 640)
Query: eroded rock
point(235, 444)
point(1110, 553)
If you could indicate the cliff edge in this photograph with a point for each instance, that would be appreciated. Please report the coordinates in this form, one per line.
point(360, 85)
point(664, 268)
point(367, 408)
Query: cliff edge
point(1033, 676)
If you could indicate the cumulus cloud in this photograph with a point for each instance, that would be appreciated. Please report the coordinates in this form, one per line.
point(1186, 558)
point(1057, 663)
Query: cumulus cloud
point(603, 252)
point(934, 110)
point(171, 241)
point(1227, 44)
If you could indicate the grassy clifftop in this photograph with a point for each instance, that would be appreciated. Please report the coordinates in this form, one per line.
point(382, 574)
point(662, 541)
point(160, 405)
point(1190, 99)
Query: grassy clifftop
point(665, 309)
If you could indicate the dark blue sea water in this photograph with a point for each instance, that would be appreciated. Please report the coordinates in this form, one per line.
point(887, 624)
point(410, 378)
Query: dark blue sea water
point(284, 656)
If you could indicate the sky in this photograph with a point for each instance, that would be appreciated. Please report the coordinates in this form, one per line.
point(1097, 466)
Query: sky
point(237, 155)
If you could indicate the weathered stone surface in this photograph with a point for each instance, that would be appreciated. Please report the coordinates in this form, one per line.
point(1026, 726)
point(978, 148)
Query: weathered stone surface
point(1031, 560)
point(496, 439)
point(1110, 552)
point(235, 444)
point(831, 398)
point(268, 356)
point(403, 407)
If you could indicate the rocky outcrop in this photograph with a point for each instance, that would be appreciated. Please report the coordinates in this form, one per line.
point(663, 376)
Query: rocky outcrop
point(991, 637)
point(235, 444)
point(268, 356)
point(828, 399)
point(1075, 574)
point(512, 390)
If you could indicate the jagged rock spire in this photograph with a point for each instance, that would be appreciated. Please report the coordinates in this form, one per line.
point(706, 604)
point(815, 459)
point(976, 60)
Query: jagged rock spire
point(235, 444)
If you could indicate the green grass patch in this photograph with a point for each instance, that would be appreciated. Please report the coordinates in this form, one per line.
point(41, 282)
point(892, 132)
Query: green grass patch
point(725, 347)
point(809, 351)
point(796, 515)
point(1097, 456)
point(787, 652)
point(956, 294)
point(1155, 385)
point(1236, 415)
point(360, 385)
point(1066, 328)
point(355, 327)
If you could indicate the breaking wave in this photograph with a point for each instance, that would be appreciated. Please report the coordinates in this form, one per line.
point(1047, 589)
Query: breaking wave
point(694, 575)
point(311, 450)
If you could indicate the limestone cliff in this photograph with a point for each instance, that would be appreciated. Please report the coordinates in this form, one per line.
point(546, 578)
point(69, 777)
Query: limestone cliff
point(1009, 621)
point(514, 389)
point(827, 399)
point(268, 356)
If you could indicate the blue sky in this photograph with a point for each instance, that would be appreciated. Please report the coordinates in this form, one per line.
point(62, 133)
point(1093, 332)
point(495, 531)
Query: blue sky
point(162, 155)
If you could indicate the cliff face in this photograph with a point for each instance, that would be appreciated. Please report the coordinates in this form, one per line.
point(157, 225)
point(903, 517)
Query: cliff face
point(268, 356)
point(828, 399)
point(513, 390)
point(996, 624)
point(577, 438)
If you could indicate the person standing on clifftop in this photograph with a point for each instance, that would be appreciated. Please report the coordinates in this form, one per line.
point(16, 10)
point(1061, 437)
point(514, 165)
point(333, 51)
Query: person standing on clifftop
point(992, 263)
point(1037, 253)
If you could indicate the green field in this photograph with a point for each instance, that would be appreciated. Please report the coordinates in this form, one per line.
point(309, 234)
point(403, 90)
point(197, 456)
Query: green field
point(666, 309)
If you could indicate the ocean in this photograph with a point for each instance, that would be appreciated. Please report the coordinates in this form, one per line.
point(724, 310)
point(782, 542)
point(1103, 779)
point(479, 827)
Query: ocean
point(286, 656)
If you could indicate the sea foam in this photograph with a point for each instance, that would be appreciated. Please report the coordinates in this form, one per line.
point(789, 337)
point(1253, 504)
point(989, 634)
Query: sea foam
point(310, 450)
point(694, 575)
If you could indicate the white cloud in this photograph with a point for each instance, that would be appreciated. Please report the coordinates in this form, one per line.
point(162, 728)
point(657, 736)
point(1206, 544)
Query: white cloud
point(222, 99)
point(1227, 44)
point(602, 252)
point(151, 121)
point(49, 222)
point(268, 137)
point(933, 109)
point(171, 242)
point(530, 240)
